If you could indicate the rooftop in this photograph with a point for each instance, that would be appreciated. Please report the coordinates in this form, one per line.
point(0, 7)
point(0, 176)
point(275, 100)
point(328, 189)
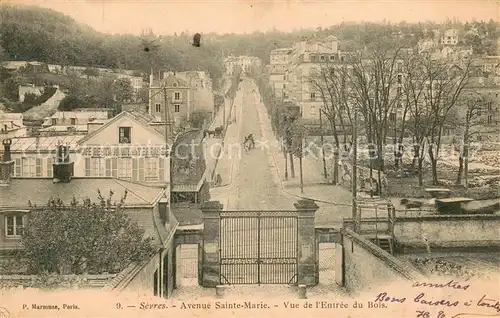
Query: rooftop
point(39, 191)
point(43, 143)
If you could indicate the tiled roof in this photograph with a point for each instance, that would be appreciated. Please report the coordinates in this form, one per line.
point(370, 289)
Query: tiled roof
point(43, 143)
point(39, 191)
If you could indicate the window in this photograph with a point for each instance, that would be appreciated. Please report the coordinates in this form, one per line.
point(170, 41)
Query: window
point(392, 116)
point(313, 111)
point(125, 168)
point(322, 58)
point(151, 169)
point(284, 77)
point(490, 106)
point(177, 96)
point(313, 96)
point(400, 78)
point(313, 58)
point(13, 225)
point(332, 57)
point(73, 121)
point(177, 108)
point(28, 167)
point(97, 167)
point(54, 121)
point(157, 108)
point(124, 137)
point(490, 119)
point(175, 84)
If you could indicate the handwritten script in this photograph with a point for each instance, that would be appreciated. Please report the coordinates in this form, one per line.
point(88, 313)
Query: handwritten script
point(482, 302)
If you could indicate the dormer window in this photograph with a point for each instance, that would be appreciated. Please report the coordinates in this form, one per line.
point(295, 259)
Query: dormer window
point(124, 135)
point(54, 121)
point(73, 121)
point(175, 84)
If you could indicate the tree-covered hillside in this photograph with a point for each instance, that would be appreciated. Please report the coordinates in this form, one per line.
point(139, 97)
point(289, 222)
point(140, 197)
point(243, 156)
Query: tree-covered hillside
point(32, 33)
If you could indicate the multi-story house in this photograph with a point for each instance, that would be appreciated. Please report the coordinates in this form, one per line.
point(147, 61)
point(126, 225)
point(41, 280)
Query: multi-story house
point(170, 99)
point(130, 146)
point(148, 206)
point(72, 122)
point(450, 37)
point(201, 88)
point(279, 60)
point(306, 59)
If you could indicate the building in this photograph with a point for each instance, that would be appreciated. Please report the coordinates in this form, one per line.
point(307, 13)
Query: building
point(77, 122)
point(201, 88)
point(450, 37)
point(130, 146)
point(174, 93)
point(11, 125)
point(306, 58)
point(244, 63)
point(29, 89)
point(277, 70)
point(148, 206)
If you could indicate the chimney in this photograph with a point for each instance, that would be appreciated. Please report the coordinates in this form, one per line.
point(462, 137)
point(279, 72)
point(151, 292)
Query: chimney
point(163, 210)
point(62, 168)
point(93, 126)
point(6, 166)
point(151, 79)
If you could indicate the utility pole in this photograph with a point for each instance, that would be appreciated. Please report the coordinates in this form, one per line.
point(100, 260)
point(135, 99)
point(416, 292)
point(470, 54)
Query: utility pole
point(322, 142)
point(167, 117)
point(355, 170)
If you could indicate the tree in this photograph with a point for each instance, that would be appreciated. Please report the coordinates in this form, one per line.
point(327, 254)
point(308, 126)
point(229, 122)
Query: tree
point(83, 237)
point(298, 135)
point(373, 90)
point(331, 81)
point(445, 82)
point(123, 90)
point(198, 118)
point(70, 102)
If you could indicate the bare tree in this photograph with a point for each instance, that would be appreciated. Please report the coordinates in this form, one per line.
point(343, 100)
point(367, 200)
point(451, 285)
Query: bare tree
point(331, 81)
point(372, 86)
point(445, 81)
point(468, 119)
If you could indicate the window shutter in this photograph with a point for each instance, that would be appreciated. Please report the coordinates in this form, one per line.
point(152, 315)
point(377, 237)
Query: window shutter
point(134, 169)
point(38, 167)
point(87, 167)
point(161, 170)
point(108, 167)
point(141, 169)
point(114, 167)
point(18, 167)
point(49, 162)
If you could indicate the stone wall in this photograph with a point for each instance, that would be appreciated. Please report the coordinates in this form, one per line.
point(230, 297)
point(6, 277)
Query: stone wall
point(448, 230)
point(366, 265)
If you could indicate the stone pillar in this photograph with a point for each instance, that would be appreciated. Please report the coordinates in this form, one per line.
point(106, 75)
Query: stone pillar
point(211, 238)
point(307, 264)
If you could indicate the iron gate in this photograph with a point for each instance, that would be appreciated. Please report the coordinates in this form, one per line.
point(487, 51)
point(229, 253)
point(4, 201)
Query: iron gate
point(258, 247)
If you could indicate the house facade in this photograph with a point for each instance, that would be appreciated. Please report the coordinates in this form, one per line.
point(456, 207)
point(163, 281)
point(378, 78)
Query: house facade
point(148, 206)
point(127, 147)
point(170, 99)
point(279, 60)
point(306, 58)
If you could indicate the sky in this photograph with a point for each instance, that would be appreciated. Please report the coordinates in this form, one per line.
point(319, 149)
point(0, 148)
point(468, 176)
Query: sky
point(238, 16)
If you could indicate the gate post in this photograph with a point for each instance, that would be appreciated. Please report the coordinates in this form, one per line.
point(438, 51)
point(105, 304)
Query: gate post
point(211, 238)
point(307, 266)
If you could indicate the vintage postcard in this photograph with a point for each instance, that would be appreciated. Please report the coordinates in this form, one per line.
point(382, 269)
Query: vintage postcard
point(220, 158)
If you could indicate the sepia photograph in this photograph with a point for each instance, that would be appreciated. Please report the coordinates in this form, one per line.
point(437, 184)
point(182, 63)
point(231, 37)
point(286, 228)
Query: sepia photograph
point(250, 158)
